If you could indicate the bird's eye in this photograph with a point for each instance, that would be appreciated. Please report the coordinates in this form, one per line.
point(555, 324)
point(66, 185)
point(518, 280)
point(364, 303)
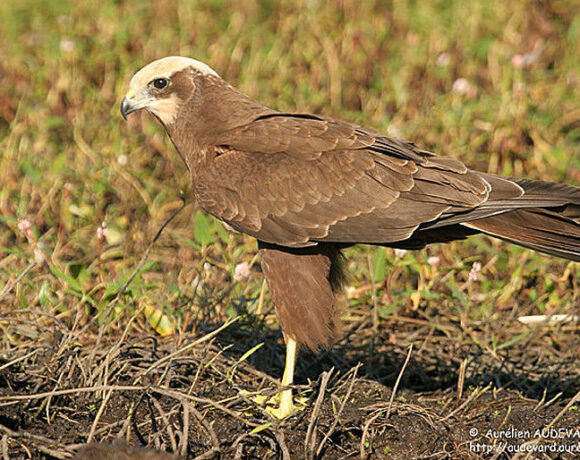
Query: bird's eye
point(160, 83)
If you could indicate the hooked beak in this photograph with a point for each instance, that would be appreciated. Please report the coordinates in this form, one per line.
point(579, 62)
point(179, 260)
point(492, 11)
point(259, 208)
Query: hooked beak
point(127, 107)
point(132, 102)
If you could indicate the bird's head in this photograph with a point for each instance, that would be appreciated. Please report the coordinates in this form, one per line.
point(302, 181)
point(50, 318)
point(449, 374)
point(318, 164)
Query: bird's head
point(164, 86)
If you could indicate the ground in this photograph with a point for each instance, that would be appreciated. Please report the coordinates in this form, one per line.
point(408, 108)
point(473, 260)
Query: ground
point(160, 393)
point(126, 319)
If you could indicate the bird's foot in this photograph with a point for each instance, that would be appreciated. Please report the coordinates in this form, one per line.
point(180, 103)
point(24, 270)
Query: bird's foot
point(282, 405)
point(285, 405)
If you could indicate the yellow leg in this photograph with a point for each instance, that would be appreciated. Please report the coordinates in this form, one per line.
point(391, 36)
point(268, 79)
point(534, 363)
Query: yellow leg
point(286, 401)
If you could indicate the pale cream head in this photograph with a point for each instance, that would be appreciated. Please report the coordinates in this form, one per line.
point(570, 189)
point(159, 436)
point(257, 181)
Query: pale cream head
point(150, 87)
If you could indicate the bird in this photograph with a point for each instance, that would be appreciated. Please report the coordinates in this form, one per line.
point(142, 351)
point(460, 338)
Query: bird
point(307, 186)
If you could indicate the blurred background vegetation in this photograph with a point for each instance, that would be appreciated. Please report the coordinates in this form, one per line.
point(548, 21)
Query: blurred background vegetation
point(83, 193)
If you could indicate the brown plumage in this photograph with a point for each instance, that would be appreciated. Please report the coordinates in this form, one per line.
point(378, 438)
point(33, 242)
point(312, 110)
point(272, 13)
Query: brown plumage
point(306, 186)
point(302, 284)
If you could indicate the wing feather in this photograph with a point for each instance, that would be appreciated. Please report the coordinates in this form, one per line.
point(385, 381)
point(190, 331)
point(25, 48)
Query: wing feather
point(296, 180)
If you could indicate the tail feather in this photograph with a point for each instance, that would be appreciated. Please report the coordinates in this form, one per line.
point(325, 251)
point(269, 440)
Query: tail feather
point(540, 229)
point(545, 218)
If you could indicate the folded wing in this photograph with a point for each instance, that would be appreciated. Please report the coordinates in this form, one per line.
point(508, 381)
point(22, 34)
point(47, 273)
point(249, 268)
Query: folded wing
point(296, 180)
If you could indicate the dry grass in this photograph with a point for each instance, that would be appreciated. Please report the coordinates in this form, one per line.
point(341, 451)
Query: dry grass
point(77, 340)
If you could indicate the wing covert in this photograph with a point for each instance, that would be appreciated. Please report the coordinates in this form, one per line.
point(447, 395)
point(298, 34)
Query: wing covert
point(297, 180)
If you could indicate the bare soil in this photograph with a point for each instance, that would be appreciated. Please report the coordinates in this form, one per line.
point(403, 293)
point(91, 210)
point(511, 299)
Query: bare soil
point(194, 396)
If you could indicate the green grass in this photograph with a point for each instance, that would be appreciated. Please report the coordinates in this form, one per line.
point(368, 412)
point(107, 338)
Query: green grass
point(68, 162)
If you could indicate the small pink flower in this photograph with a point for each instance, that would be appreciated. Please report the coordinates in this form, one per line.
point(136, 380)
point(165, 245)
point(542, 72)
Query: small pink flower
point(39, 256)
point(520, 61)
point(242, 272)
point(67, 46)
point(24, 225)
point(443, 59)
point(475, 269)
point(434, 261)
point(400, 252)
point(461, 86)
point(102, 231)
